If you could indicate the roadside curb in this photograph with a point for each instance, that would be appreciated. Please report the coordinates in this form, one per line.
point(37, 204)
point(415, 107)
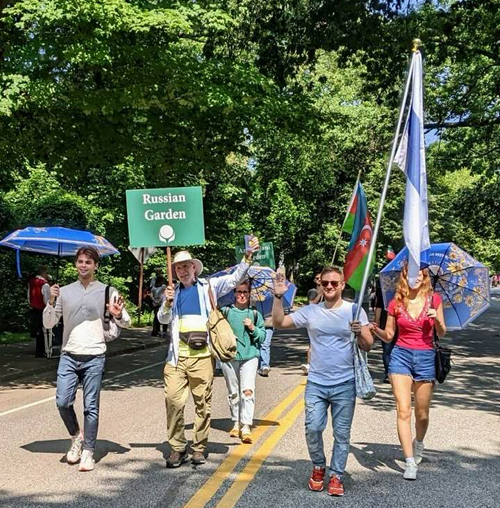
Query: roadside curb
point(138, 345)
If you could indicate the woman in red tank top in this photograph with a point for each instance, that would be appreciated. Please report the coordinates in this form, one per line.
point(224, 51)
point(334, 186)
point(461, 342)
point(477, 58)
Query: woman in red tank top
point(416, 312)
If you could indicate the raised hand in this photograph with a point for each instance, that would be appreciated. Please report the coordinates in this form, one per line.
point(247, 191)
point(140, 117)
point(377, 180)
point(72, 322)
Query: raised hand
point(254, 246)
point(280, 287)
point(116, 307)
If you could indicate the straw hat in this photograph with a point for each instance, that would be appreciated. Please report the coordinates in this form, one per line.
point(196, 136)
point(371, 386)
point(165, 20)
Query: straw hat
point(183, 256)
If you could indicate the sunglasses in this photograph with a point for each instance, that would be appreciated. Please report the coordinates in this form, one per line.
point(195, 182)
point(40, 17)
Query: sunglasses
point(242, 292)
point(334, 283)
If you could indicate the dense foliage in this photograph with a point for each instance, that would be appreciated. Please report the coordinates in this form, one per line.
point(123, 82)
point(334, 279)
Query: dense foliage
point(273, 107)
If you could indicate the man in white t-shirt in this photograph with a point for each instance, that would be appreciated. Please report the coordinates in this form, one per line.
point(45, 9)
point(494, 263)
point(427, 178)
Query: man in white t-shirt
point(330, 383)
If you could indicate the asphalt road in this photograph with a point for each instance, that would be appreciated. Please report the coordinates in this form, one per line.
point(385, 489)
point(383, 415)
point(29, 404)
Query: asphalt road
point(460, 468)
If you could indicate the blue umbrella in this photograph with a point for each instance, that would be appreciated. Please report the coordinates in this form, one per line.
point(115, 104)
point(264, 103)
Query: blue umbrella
point(261, 285)
point(56, 241)
point(460, 280)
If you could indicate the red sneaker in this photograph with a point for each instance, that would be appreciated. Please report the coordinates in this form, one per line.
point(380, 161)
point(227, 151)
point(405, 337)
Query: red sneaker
point(316, 479)
point(335, 486)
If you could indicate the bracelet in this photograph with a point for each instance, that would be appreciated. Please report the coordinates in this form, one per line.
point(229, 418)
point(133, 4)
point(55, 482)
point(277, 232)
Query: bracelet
point(279, 297)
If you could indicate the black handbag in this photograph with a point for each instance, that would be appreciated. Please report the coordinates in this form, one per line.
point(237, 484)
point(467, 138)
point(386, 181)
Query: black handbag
point(442, 358)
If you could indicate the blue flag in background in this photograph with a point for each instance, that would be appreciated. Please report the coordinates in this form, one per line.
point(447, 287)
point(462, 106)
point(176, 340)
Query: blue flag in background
point(410, 157)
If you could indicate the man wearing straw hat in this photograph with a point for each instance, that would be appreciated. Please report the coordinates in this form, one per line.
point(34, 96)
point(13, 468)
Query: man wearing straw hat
point(190, 366)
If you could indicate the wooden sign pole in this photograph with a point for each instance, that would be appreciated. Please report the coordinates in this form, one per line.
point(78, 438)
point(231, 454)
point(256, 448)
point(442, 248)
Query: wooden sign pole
point(141, 283)
point(169, 267)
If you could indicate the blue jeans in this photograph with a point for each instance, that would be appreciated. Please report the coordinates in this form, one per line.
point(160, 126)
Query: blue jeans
point(72, 370)
point(416, 363)
point(342, 401)
point(265, 349)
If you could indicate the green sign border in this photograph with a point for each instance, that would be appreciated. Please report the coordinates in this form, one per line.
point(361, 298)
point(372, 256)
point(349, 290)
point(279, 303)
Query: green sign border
point(169, 217)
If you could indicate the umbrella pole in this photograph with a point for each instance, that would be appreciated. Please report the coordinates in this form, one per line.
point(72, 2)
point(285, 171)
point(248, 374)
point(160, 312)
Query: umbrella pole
point(18, 264)
point(169, 266)
point(141, 282)
point(58, 260)
point(373, 242)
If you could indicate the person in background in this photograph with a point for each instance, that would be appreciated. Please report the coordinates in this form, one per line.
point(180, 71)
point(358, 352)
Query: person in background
point(38, 296)
point(156, 297)
point(416, 312)
point(265, 349)
point(248, 326)
point(152, 280)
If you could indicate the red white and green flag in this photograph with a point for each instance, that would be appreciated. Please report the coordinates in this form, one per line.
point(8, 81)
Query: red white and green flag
point(358, 223)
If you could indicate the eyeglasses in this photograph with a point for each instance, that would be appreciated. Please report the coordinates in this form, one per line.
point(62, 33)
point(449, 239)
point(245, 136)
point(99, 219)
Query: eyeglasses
point(334, 283)
point(242, 292)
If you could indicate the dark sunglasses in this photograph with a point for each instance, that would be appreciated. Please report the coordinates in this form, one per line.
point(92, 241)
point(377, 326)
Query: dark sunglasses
point(334, 283)
point(242, 292)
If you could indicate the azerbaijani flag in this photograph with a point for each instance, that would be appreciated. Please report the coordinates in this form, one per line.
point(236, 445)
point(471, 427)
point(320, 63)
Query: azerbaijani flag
point(358, 223)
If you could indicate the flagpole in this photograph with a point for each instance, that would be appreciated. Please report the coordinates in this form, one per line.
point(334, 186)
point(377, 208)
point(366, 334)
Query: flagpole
point(416, 44)
point(345, 218)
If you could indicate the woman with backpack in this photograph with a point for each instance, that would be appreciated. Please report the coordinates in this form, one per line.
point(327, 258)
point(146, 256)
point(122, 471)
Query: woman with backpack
point(416, 313)
point(240, 373)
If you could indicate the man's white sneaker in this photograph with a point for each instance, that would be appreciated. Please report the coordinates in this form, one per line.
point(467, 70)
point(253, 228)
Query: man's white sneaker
point(75, 451)
point(418, 450)
point(411, 470)
point(87, 462)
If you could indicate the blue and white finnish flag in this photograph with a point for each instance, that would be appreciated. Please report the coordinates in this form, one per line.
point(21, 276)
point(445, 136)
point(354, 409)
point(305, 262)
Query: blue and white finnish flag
point(410, 157)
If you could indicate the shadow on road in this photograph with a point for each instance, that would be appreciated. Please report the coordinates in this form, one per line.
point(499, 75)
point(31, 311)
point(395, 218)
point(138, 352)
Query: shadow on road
point(61, 446)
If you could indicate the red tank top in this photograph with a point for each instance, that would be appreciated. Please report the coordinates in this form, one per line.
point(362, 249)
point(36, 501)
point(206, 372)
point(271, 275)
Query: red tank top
point(36, 297)
point(414, 333)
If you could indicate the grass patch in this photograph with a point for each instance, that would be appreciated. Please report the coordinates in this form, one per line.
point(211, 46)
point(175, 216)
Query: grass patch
point(300, 300)
point(13, 337)
point(146, 319)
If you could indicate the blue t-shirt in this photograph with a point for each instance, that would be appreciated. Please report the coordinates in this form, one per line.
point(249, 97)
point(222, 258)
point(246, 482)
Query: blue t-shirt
point(188, 301)
point(332, 355)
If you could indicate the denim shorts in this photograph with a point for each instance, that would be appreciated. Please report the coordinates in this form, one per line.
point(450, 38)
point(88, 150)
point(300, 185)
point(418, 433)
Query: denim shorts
point(417, 363)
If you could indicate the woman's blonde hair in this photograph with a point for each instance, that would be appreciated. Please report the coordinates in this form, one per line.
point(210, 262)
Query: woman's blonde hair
point(403, 288)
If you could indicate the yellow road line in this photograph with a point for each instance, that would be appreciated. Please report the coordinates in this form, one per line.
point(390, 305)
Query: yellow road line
point(205, 493)
point(246, 476)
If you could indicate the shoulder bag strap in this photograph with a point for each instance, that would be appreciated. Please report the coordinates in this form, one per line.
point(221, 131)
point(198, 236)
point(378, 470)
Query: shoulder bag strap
point(106, 302)
point(354, 310)
point(435, 338)
point(211, 296)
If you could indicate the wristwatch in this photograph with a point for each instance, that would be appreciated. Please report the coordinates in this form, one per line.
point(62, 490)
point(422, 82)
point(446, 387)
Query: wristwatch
point(279, 297)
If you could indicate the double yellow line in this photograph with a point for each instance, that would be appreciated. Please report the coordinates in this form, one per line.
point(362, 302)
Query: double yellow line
point(205, 494)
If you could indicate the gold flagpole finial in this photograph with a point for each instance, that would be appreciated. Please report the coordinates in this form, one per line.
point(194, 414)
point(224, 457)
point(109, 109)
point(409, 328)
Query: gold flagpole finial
point(416, 43)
